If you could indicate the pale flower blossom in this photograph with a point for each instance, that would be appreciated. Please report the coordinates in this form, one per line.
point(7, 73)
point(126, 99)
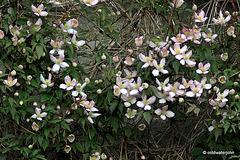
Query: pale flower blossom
point(179, 39)
point(177, 3)
point(164, 112)
point(139, 41)
point(1, 34)
point(148, 60)
point(129, 61)
point(75, 42)
point(221, 96)
point(79, 90)
point(58, 62)
point(69, 84)
point(10, 82)
point(38, 114)
point(136, 87)
point(200, 17)
point(145, 103)
point(221, 20)
point(46, 82)
point(159, 67)
point(39, 11)
point(203, 69)
point(128, 100)
point(230, 31)
point(67, 27)
point(90, 2)
point(209, 36)
point(131, 113)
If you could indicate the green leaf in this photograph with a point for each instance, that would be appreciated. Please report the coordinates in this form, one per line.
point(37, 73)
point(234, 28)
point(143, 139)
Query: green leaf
point(46, 97)
point(59, 94)
point(39, 50)
point(79, 147)
point(113, 105)
point(147, 117)
point(65, 126)
point(190, 109)
point(176, 66)
point(226, 126)
point(196, 151)
point(217, 132)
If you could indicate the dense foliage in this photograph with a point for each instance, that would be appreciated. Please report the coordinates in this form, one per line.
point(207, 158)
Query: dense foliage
point(163, 61)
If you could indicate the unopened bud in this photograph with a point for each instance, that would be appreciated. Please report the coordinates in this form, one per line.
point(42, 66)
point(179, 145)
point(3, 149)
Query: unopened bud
point(215, 88)
point(237, 96)
point(30, 146)
point(238, 75)
point(111, 158)
point(130, 51)
point(145, 85)
point(227, 13)
point(16, 94)
point(49, 69)
point(104, 66)
point(103, 156)
point(28, 120)
point(103, 57)
point(235, 13)
point(43, 106)
point(181, 100)
point(194, 8)
point(100, 10)
point(232, 91)
point(20, 66)
point(28, 82)
point(235, 84)
point(118, 12)
point(24, 50)
point(143, 157)
point(113, 14)
point(29, 77)
point(74, 106)
point(1, 72)
point(209, 91)
point(67, 112)
point(21, 102)
point(17, 84)
point(100, 80)
point(99, 91)
point(58, 107)
point(87, 80)
point(115, 59)
point(119, 72)
point(74, 64)
point(35, 103)
point(13, 73)
point(213, 80)
point(96, 81)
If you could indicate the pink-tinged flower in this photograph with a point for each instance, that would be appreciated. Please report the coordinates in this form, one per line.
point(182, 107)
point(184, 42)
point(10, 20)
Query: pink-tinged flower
point(164, 97)
point(90, 106)
point(90, 2)
point(1, 34)
point(68, 27)
point(14, 30)
point(67, 148)
point(164, 52)
point(129, 61)
point(36, 27)
point(128, 100)
point(130, 75)
point(211, 128)
point(216, 103)
point(58, 62)
point(184, 84)
point(179, 39)
point(79, 90)
point(177, 51)
point(74, 22)
point(131, 113)
point(159, 45)
point(222, 79)
point(71, 138)
point(163, 85)
point(145, 103)
point(188, 33)
point(221, 20)
point(115, 59)
point(164, 112)
point(196, 90)
point(91, 115)
point(203, 69)
point(38, 114)
point(10, 82)
point(56, 44)
point(122, 85)
point(221, 96)
point(175, 90)
point(224, 56)
point(35, 126)
point(209, 36)
point(116, 90)
point(75, 42)
point(69, 84)
point(39, 11)
point(186, 59)
point(148, 60)
point(200, 17)
point(196, 34)
point(55, 2)
point(136, 87)
point(139, 41)
point(203, 83)
point(177, 3)
point(159, 67)
point(46, 82)
point(230, 31)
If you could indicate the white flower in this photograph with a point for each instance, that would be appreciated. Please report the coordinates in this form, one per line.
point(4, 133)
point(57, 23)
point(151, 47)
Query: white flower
point(164, 113)
point(58, 62)
point(69, 83)
point(47, 82)
point(38, 114)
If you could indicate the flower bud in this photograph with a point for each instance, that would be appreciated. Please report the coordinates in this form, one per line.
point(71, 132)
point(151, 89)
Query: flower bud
point(20, 66)
point(110, 158)
point(74, 64)
point(74, 106)
point(145, 85)
point(96, 81)
point(35, 103)
point(67, 112)
point(24, 50)
point(215, 88)
point(115, 59)
point(13, 73)
point(99, 91)
point(237, 96)
point(103, 156)
point(222, 79)
point(43, 106)
point(194, 8)
point(181, 100)
point(100, 80)
point(29, 77)
point(227, 13)
point(119, 72)
point(17, 84)
point(235, 13)
point(103, 57)
point(21, 102)
point(28, 120)
point(28, 82)
point(104, 66)
point(118, 13)
point(143, 157)
point(16, 94)
point(1, 72)
point(238, 75)
point(58, 107)
point(232, 91)
point(87, 80)
point(30, 146)
point(130, 51)
point(100, 10)
point(209, 91)
point(113, 14)
point(235, 84)
point(141, 127)
point(49, 69)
